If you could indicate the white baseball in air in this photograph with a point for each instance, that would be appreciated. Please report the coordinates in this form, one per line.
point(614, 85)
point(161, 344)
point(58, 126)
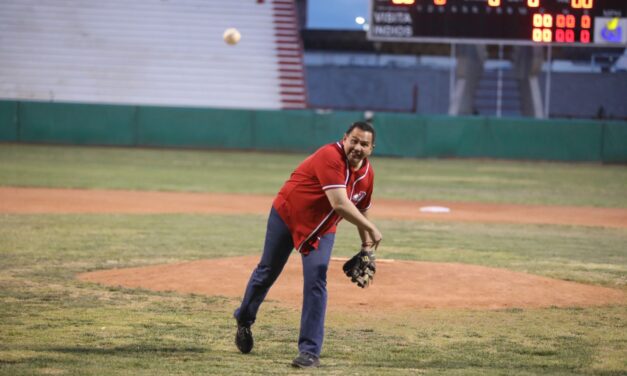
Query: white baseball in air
point(231, 36)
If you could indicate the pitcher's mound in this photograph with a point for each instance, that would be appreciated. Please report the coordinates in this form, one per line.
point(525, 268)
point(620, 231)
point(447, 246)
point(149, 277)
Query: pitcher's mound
point(398, 285)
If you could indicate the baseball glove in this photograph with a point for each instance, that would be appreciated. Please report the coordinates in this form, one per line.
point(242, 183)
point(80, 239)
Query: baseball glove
point(361, 268)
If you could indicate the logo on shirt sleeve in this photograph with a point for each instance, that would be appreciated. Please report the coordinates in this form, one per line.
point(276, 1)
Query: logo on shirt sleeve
point(358, 197)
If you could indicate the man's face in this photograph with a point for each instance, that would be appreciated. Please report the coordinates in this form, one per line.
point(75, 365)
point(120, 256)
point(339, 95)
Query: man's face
point(357, 146)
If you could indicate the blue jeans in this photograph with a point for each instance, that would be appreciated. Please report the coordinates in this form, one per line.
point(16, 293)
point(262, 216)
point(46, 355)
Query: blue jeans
point(277, 248)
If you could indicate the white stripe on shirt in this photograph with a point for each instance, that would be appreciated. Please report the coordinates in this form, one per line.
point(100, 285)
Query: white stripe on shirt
point(333, 186)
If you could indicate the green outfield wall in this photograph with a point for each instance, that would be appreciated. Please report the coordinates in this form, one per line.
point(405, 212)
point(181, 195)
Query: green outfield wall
point(400, 135)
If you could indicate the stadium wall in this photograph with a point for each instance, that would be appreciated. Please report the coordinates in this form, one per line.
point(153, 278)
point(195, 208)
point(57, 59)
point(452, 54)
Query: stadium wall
point(399, 135)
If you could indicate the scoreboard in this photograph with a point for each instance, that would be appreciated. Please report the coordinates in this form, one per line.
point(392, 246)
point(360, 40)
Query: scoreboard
point(522, 22)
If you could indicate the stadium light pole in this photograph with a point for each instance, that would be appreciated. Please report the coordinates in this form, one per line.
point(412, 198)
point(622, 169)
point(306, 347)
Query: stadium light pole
point(499, 84)
point(547, 83)
point(451, 81)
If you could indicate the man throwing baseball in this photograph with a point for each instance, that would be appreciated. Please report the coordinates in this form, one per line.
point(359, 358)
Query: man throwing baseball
point(333, 183)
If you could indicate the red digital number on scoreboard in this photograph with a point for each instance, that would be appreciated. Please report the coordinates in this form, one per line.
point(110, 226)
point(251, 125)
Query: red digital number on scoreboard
point(560, 35)
point(584, 36)
point(586, 21)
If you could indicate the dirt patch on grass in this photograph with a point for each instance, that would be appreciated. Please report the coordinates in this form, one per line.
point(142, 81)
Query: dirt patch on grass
point(398, 285)
point(46, 200)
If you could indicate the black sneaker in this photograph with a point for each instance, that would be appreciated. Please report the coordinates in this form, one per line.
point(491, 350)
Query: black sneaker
point(306, 360)
point(244, 338)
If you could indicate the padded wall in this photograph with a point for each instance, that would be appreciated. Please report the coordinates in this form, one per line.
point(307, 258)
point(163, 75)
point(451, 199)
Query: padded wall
point(401, 135)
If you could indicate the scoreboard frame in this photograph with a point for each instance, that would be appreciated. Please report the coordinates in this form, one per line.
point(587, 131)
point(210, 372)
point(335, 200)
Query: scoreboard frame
point(400, 21)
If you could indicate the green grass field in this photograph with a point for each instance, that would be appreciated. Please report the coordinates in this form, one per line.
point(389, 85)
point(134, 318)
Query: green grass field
point(51, 323)
point(209, 171)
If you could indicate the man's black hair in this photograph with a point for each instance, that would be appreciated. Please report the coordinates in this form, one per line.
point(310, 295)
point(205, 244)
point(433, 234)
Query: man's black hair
point(364, 126)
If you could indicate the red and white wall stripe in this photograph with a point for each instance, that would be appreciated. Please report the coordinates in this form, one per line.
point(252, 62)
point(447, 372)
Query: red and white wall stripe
point(289, 51)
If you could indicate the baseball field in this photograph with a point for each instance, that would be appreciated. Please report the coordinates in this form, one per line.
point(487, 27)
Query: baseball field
point(130, 261)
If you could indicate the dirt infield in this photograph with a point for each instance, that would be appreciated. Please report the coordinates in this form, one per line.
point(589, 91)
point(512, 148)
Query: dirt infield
point(45, 200)
point(399, 284)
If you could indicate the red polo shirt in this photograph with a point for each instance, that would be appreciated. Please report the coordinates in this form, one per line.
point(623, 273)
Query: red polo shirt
point(302, 203)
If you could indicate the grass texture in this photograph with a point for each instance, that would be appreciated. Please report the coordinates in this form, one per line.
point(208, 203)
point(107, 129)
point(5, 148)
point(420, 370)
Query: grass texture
point(53, 324)
point(541, 183)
